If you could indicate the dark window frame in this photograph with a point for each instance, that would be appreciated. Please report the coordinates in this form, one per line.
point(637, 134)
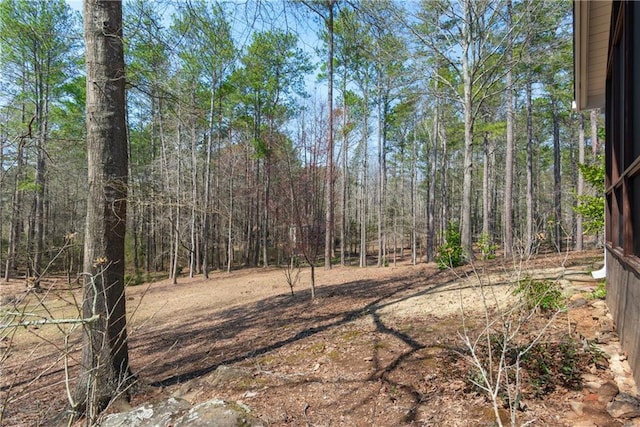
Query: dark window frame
point(621, 165)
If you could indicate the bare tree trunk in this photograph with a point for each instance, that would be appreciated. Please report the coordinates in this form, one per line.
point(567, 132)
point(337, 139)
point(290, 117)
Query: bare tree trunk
point(105, 361)
point(433, 167)
point(580, 189)
point(230, 225)
point(364, 189)
point(345, 174)
point(595, 144)
point(486, 202)
point(414, 199)
point(529, 198)
point(3, 138)
point(176, 216)
point(509, 154)
point(467, 167)
point(382, 176)
point(39, 220)
point(444, 191)
point(206, 220)
point(363, 211)
point(557, 179)
point(193, 255)
point(265, 211)
point(16, 208)
point(328, 243)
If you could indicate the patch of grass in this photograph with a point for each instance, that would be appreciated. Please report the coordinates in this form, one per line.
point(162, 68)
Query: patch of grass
point(134, 279)
point(600, 292)
point(351, 335)
point(317, 347)
point(334, 355)
point(380, 345)
point(138, 277)
point(268, 360)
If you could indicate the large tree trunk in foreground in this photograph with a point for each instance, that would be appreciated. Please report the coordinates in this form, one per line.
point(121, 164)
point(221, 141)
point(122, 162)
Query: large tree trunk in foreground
point(105, 363)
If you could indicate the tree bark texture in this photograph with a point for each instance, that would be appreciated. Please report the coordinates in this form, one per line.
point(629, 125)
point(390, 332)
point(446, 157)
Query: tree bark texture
point(105, 363)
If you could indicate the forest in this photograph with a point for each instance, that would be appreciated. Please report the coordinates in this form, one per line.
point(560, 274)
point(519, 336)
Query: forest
point(216, 145)
point(324, 132)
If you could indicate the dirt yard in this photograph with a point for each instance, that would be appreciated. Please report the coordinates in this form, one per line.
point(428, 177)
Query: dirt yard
point(377, 346)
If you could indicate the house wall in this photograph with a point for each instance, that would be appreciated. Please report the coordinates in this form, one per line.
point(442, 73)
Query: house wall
point(623, 300)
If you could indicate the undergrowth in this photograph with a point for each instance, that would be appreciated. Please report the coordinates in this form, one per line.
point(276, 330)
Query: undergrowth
point(449, 255)
point(545, 295)
point(600, 292)
point(545, 367)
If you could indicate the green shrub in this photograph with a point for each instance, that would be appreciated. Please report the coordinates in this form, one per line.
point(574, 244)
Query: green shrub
point(449, 255)
point(600, 292)
point(592, 207)
point(487, 247)
point(545, 294)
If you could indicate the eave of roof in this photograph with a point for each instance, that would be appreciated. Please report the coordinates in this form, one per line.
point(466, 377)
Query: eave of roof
point(591, 21)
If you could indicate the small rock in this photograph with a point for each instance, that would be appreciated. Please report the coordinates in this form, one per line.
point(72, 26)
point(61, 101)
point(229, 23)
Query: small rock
point(606, 325)
point(217, 413)
point(577, 407)
point(592, 386)
point(146, 415)
point(598, 313)
point(590, 378)
point(578, 302)
point(250, 394)
point(224, 375)
point(575, 297)
point(598, 303)
point(603, 338)
point(607, 391)
point(368, 359)
point(624, 406)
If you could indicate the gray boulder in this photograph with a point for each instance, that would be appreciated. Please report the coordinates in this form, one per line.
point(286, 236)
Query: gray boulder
point(177, 412)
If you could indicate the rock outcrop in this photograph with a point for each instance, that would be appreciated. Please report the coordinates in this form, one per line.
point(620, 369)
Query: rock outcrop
point(176, 412)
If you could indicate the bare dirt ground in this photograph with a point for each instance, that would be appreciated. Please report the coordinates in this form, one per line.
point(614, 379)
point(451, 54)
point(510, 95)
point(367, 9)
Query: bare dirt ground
point(377, 346)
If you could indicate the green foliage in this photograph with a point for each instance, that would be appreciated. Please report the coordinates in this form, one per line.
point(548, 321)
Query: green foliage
point(28, 185)
point(544, 294)
point(487, 247)
point(549, 365)
point(592, 207)
point(600, 292)
point(544, 366)
point(450, 255)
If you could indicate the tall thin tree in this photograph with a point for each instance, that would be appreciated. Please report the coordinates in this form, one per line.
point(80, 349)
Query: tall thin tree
point(105, 357)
